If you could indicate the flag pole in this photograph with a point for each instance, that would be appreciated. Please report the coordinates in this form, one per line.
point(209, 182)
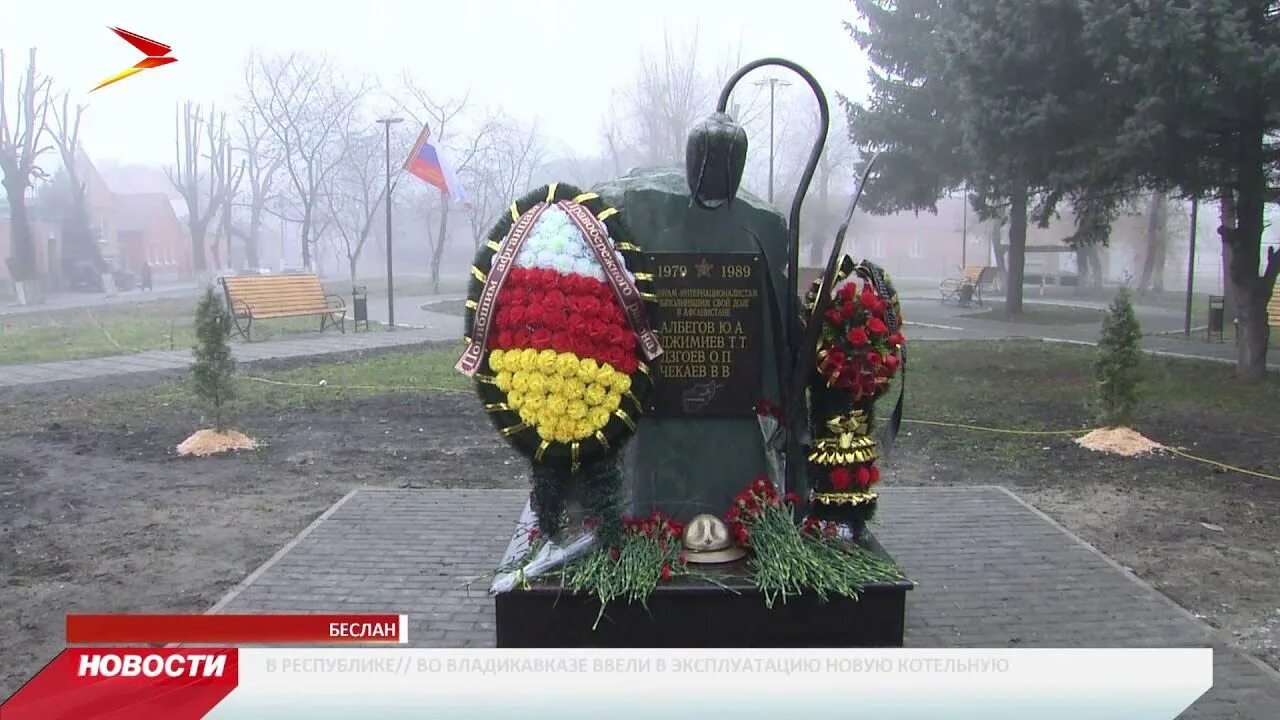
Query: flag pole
point(391, 296)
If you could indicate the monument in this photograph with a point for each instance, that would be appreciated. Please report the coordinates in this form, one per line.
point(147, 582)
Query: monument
point(645, 345)
point(712, 269)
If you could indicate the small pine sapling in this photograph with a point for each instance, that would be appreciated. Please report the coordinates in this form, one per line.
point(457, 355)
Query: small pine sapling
point(1118, 367)
point(214, 366)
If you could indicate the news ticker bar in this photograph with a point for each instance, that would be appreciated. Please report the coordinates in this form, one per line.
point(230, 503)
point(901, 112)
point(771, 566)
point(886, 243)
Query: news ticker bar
point(389, 684)
point(278, 629)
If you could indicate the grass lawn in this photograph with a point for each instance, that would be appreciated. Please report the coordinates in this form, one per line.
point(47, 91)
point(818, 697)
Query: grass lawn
point(448, 307)
point(1043, 315)
point(313, 384)
point(117, 329)
point(1038, 386)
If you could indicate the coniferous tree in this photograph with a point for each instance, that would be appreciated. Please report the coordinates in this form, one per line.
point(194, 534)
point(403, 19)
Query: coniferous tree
point(1199, 85)
point(1118, 367)
point(910, 116)
point(214, 366)
point(1000, 95)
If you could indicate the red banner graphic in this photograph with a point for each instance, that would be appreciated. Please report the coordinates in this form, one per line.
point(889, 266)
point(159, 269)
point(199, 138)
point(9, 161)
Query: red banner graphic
point(127, 684)
point(237, 629)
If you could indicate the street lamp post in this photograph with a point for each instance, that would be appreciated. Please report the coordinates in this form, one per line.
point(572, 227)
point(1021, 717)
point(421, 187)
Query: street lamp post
point(386, 198)
point(773, 84)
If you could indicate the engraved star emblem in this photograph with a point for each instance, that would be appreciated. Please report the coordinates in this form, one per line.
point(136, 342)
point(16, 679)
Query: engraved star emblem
point(704, 268)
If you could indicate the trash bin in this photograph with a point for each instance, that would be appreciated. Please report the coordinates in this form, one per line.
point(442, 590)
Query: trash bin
point(1217, 316)
point(360, 307)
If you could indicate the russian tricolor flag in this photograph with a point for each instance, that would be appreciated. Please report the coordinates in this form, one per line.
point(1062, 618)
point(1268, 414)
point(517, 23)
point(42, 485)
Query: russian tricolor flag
point(428, 164)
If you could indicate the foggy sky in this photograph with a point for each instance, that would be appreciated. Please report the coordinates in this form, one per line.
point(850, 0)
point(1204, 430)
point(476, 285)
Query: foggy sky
point(555, 61)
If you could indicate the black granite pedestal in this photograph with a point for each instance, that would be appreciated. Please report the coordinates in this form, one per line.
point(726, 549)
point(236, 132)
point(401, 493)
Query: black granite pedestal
point(689, 612)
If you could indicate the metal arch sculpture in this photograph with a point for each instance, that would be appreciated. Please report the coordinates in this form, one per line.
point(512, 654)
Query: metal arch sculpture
point(802, 342)
point(811, 167)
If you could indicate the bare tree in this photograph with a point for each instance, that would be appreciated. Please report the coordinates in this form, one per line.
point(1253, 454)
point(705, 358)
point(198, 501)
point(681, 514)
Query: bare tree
point(20, 148)
point(77, 238)
point(261, 168)
point(229, 178)
point(194, 184)
point(354, 193)
point(304, 104)
point(649, 120)
point(501, 172)
point(447, 119)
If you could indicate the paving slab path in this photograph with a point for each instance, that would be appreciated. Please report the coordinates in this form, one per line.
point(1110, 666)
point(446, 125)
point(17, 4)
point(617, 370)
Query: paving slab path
point(991, 572)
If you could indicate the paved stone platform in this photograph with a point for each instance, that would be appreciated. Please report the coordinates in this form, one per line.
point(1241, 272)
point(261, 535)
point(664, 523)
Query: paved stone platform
point(991, 570)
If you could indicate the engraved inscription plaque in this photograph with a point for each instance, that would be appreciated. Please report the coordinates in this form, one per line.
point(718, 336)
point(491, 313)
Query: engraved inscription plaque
point(710, 318)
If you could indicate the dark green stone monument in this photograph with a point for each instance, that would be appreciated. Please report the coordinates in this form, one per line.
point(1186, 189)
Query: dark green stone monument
point(701, 443)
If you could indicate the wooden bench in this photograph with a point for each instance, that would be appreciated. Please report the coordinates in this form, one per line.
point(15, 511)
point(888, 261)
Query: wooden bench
point(266, 297)
point(973, 280)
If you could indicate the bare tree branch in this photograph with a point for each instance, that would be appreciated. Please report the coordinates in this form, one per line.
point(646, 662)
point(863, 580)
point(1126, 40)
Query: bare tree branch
point(304, 104)
point(20, 148)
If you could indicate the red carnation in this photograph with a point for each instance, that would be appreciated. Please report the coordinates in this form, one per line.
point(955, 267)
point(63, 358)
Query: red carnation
point(531, 314)
point(847, 292)
point(574, 284)
point(682, 559)
point(791, 498)
point(623, 338)
point(891, 362)
point(540, 339)
point(614, 314)
point(857, 336)
point(877, 327)
point(613, 554)
point(515, 315)
point(869, 298)
point(597, 331)
point(666, 573)
point(862, 476)
point(848, 310)
point(873, 358)
point(506, 339)
point(740, 535)
point(875, 475)
point(521, 338)
point(897, 339)
point(841, 479)
point(833, 316)
point(613, 356)
point(581, 346)
point(588, 306)
point(562, 342)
